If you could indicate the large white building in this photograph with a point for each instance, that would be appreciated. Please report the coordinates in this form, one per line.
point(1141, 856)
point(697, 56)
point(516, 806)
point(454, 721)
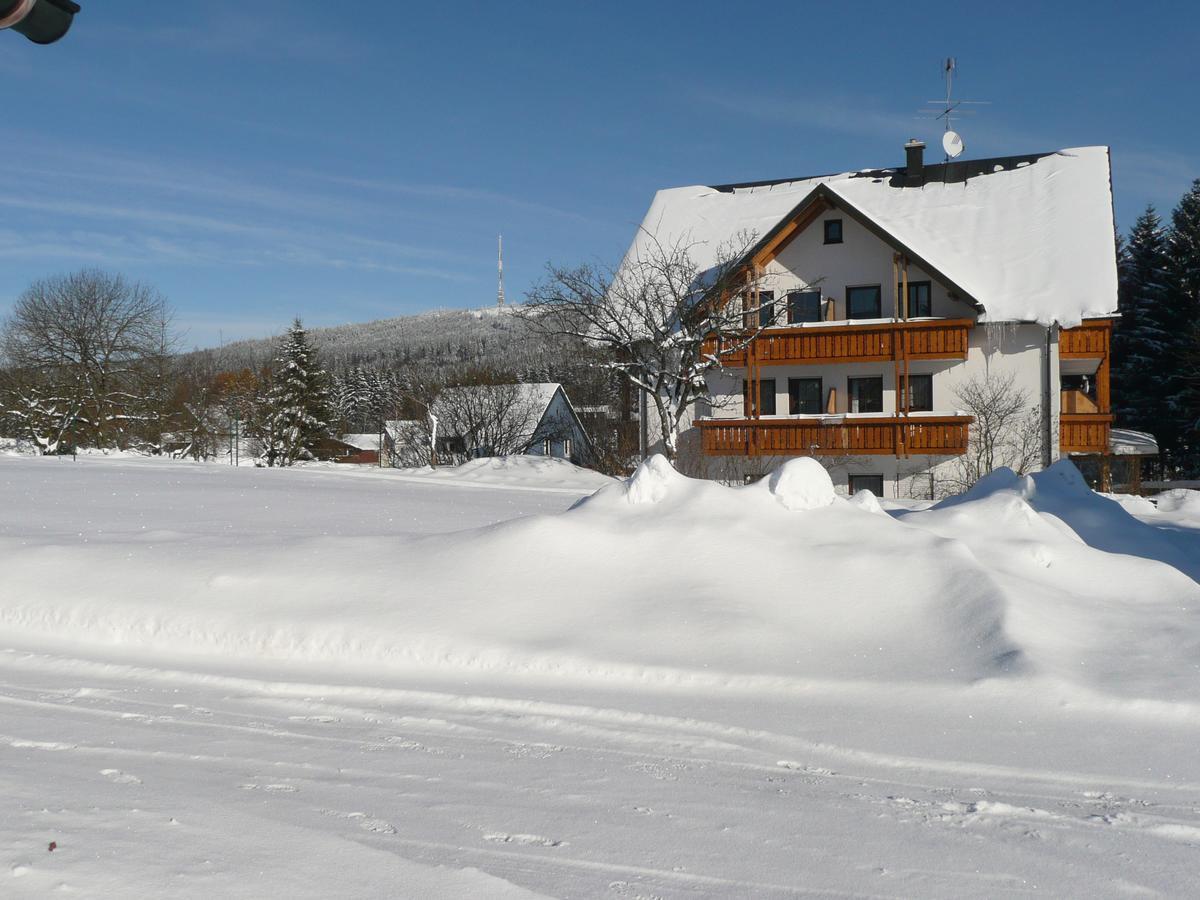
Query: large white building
point(970, 273)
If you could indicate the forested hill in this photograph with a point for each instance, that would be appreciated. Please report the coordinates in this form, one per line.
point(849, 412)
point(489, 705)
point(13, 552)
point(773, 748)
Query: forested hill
point(491, 338)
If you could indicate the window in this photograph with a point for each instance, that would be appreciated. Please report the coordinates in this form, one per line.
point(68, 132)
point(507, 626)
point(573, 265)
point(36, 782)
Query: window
point(546, 448)
point(920, 302)
point(766, 397)
point(804, 396)
point(766, 308)
point(833, 231)
point(872, 483)
point(920, 393)
point(566, 448)
point(758, 315)
point(865, 394)
point(804, 306)
point(863, 302)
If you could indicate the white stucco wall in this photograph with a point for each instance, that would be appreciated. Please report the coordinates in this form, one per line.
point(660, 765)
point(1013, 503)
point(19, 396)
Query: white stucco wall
point(1001, 350)
point(861, 259)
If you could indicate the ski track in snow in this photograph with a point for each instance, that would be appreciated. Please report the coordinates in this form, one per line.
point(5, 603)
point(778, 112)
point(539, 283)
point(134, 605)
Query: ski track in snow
point(562, 798)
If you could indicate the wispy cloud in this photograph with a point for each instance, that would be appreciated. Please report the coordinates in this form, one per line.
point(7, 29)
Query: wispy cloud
point(451, 193)
point(262, 30)
point(850, 116)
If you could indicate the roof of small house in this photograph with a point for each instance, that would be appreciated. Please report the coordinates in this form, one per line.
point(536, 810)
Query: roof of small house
point(1126, 442)
point(1026, 238)
point(533, 399)
point(361, 441)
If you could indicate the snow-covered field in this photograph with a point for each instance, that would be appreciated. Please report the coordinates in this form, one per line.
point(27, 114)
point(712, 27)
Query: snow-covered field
point(352, 682)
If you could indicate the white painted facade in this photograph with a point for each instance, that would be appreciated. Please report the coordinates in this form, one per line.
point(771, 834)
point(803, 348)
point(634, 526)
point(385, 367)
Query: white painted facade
point(1027, 351)
point(1030, 239)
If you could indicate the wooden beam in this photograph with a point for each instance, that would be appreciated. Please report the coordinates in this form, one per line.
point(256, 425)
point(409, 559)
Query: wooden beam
point(790, 231)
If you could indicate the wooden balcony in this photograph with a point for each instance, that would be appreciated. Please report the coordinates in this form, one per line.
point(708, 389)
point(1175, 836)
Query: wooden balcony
point(875, 436)
point(1090, 340)
point(868, 342)
point(1084, 432)
point(1077, 402)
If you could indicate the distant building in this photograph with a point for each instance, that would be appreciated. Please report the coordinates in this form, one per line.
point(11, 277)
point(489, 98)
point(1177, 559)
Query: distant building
point(360, 449)
point(494, 420)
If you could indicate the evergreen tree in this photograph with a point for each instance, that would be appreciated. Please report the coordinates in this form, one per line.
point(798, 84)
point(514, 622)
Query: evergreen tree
point(1141, 346)
point(297, 403)
point(1183, 278)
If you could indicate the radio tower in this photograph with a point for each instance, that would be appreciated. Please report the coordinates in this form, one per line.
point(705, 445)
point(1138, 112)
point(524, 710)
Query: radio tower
point(500, 270)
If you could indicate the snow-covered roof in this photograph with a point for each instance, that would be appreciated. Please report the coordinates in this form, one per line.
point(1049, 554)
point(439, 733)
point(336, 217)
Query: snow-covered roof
point(361, 441)
point(1028, 238)
point(532, 395)
point(1124, 442)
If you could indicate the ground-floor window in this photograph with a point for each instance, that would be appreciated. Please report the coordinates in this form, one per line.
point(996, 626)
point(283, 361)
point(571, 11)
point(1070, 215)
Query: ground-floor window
point(872, 483)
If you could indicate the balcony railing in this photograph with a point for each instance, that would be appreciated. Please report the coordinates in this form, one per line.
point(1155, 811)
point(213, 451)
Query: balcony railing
point(875, 436)
point(1089, 340)
point(866, 342)
point(1084, 432)
point(1078, 402)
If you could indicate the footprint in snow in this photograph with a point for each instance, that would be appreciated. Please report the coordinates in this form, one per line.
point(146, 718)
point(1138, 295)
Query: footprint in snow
point(806, 769)
point(116, 776)
point(270, 788)
point(528, 840)
point(370, 823)
point(365, 822)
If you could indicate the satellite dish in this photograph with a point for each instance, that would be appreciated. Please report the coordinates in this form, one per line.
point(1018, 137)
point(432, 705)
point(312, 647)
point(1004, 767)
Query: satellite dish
point(952, 143)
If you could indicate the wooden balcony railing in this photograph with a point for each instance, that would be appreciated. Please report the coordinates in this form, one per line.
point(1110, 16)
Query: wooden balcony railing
point(1089, 340)
point(874, 342)
point(883, 436)
point(1075, 402)
point(1084, 432)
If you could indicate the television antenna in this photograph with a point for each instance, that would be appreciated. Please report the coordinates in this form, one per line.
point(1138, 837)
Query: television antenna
point(947, 109)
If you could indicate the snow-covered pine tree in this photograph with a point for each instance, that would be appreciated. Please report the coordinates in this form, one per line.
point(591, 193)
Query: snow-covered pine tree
point(298, 400)
point(1183, 277)
point(1140, 343)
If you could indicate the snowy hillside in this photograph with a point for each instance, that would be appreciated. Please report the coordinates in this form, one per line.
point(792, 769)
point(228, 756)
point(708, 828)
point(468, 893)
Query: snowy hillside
point(667, 688)
point(487, 336)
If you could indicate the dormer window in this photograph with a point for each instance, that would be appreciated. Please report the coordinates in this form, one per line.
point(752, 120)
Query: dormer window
point(833, 231)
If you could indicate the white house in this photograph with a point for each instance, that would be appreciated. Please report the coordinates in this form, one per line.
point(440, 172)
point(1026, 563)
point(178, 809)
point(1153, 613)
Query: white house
point(937, 277)
point(496, 420)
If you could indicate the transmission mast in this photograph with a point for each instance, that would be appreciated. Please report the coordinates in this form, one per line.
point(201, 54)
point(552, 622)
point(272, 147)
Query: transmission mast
point(500, 270)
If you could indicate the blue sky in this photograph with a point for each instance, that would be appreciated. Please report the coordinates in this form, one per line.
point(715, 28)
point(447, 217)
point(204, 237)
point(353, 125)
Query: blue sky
point(260, 160)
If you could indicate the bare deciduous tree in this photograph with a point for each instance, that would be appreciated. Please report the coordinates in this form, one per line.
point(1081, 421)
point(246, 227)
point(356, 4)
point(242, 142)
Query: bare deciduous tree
point(1007, 430)
point(655, 316)
point(83, 355)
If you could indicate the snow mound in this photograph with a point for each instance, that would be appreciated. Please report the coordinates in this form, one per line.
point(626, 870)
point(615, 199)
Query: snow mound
point(802, 483)
point(653, 481)
point(867, 502)
point(659, 579)
point(1180, 503)
point(1061, 492)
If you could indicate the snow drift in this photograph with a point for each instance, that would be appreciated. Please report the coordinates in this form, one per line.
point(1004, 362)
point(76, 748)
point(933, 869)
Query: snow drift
point(658, 578)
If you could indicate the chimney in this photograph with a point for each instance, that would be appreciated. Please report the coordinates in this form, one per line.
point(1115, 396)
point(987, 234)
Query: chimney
point(914, 163)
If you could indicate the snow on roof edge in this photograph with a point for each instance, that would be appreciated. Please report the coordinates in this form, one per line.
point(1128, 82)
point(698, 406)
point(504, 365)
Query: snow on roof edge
point(1047, 221)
